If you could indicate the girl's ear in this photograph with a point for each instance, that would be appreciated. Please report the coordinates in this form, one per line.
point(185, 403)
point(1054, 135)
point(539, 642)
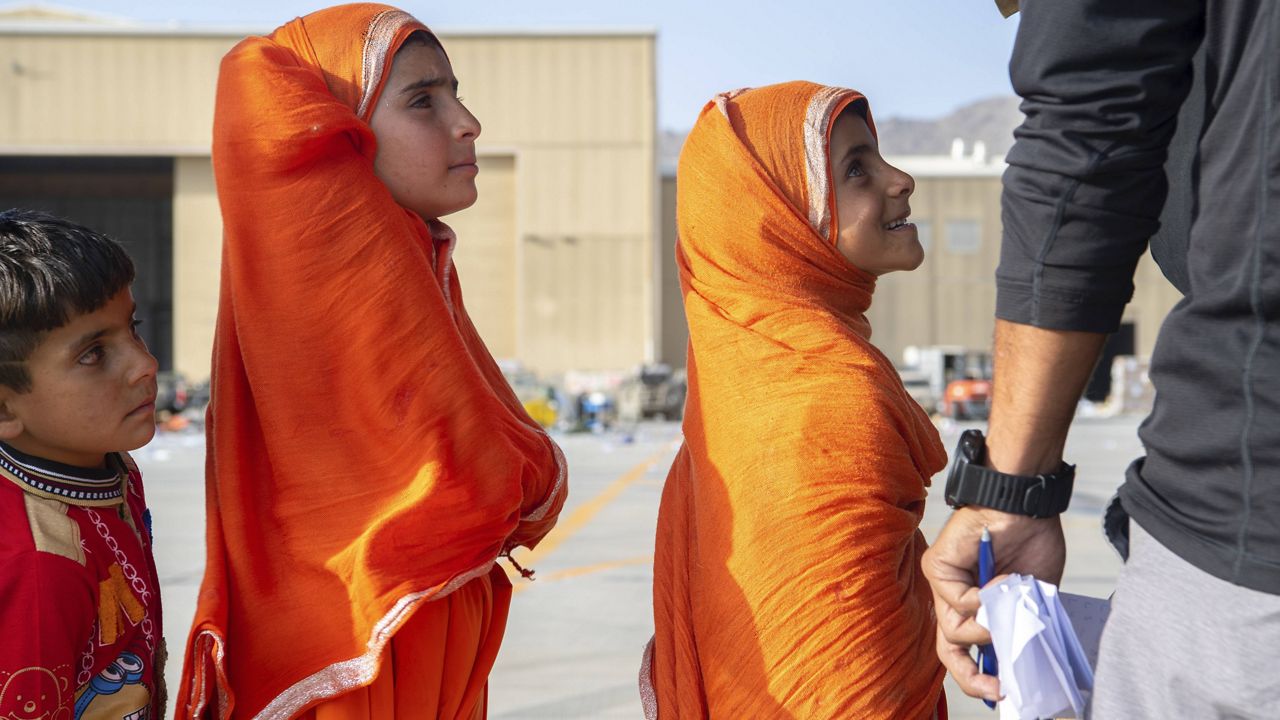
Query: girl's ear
point(10, 424)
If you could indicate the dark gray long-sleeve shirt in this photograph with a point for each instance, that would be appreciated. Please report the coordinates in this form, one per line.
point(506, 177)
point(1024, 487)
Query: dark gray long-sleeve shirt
point(1102, 83)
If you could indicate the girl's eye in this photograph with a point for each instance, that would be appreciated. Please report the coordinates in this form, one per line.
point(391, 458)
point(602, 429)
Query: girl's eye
point(133, 326)
point(92, 356)
point(855, 170)
point(422, 101)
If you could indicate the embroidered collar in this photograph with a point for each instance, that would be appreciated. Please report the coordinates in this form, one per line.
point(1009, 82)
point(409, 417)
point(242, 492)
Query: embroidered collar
point(92, 487)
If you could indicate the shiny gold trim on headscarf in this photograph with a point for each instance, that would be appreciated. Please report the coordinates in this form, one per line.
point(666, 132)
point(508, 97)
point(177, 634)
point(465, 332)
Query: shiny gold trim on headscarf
point(377, 56)
point(722, 100)
point(816, 122)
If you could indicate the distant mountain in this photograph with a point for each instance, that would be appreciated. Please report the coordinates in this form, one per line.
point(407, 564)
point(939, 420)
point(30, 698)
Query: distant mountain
point(992, 121)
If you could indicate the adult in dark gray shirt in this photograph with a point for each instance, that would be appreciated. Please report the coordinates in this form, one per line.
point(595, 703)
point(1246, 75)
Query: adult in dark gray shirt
point(1195, 626)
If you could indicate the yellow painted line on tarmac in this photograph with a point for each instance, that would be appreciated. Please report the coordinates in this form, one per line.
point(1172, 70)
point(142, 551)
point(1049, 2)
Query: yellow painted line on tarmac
point(586, 570)
point(586, 512)
point(583, 515)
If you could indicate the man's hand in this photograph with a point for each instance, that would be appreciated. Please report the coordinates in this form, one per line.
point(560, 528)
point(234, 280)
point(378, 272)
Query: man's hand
point(1038, 380)
point(1021, 544)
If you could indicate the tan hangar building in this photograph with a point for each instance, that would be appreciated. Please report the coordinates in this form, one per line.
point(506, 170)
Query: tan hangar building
point(109, 122)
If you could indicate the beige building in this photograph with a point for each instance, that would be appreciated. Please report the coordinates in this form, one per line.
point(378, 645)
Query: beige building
point(109, 123)
point(950, 299)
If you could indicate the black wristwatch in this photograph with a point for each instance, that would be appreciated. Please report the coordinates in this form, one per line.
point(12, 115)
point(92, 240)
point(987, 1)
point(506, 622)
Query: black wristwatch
point(970, 483)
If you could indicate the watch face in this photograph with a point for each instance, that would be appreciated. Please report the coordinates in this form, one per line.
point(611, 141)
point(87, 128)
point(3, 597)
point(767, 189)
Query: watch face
point(971, 446)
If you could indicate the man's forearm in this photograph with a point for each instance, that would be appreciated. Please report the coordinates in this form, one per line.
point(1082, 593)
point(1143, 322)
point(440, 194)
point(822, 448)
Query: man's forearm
point(1039, 377)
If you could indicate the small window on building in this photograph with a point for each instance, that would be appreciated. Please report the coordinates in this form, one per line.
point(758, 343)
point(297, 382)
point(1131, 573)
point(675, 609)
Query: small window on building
point(964, 237)
point(924, 231)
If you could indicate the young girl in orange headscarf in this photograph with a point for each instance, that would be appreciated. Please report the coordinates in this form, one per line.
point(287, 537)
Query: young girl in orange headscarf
point(786, 578)
point(367, 461)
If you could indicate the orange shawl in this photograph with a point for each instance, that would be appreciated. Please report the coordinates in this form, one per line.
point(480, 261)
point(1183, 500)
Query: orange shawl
point(786, 578)
point(365, 455)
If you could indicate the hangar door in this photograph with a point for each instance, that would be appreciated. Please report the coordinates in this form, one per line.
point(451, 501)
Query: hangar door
point(130, 199)
point(486, 254)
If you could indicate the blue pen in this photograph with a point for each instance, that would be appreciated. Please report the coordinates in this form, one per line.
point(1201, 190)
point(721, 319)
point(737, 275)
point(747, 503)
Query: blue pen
point(986, 570)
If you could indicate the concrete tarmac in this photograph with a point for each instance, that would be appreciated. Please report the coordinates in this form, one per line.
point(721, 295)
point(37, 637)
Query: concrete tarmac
point(575, 634)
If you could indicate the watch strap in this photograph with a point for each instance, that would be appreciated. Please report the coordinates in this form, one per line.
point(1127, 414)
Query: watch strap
point(1039, 496)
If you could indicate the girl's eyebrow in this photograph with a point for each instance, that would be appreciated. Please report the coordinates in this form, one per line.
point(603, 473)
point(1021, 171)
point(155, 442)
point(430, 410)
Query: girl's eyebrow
point(855, 151)
point(430, 82)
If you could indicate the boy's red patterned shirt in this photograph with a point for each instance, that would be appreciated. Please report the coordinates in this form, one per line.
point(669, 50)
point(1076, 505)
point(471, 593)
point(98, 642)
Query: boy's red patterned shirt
point(79, 598)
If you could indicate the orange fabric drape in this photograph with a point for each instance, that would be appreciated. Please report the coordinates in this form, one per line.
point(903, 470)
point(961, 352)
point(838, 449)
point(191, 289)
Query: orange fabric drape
point(786, 578)
point(365, 455)
point(431, 662)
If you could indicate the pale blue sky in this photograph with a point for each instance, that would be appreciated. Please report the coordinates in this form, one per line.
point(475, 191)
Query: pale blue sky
point(913, 58)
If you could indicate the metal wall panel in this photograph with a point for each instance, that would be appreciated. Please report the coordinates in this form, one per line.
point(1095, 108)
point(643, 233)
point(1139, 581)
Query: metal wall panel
point(155, 91)
point(580, 113)
point(587, 246)
point(578, 110)
point(108, 94)
point(486, 255)
point(565, 90)
point(1153, 297)
point(197, 264)
point(580, 292)
point(674, 329)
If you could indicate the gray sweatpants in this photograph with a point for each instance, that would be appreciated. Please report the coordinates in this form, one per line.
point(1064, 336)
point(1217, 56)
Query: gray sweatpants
point(1181, 643)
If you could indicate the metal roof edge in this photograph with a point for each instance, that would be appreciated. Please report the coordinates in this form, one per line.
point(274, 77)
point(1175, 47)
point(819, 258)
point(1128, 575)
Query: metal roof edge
point(70, 150)
point(180, 30)
point(945, 166)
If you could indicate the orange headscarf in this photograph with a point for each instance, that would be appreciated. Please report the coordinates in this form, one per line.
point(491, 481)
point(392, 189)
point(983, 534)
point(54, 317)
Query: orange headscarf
point(786, 578)
point(365, 455)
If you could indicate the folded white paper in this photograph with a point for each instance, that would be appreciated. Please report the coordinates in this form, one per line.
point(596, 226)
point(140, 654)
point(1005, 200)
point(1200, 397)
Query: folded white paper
point(1046, 643)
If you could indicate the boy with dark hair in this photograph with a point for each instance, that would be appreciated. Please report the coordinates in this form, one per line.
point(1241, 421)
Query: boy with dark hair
point(80, 631)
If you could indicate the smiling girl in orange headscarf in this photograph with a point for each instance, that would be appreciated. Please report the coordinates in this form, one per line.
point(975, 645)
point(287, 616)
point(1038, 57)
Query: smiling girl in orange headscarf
point(786, 578)
point(367, 461)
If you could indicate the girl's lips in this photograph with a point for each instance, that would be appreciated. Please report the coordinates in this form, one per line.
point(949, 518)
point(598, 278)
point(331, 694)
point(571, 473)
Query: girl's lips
point(465, 168)
point(148, 406)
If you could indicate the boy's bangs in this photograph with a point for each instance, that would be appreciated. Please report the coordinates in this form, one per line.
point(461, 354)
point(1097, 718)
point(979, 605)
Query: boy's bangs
point(50, 270)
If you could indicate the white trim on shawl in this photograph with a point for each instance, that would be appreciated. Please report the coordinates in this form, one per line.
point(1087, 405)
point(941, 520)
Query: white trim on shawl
point(336, 679)
point(648, 694)
point(816, 121)
point(377, 44)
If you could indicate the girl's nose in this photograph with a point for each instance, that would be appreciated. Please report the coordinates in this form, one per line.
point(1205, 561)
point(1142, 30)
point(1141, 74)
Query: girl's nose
point(468, 127)
point(902, 184)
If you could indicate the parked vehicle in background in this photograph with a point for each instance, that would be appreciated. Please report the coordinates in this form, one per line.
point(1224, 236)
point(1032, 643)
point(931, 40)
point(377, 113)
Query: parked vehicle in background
point(655, 390)
point(539, 399)
point(596, 411)
point(543, 407)
point(919, 388)
point(171, 392)
point(967, 399)
point(198, 396)
point(950, 380)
